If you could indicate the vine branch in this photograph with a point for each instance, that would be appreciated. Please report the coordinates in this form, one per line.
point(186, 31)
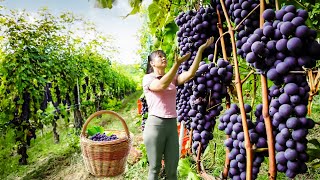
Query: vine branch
point(265, 112)
point(246, 17)
point(240, 96)
point(247, 77)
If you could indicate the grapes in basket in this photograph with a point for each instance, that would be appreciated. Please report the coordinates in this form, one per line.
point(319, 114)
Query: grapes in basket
point(103, 137)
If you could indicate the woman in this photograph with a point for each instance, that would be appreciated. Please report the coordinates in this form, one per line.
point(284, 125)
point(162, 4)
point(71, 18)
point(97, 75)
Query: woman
point(160, 134)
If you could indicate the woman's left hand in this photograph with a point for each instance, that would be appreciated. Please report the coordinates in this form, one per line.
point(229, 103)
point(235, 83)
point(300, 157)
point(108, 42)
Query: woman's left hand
point(180, 60)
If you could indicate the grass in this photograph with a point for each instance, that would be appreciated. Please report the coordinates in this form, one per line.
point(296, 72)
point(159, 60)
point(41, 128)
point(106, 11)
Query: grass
point(43, 154)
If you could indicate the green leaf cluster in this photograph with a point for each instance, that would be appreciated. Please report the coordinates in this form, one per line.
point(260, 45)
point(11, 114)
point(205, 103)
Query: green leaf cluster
point(186, 171)
point(314, 153)
point(160, 29)
point(94, 130)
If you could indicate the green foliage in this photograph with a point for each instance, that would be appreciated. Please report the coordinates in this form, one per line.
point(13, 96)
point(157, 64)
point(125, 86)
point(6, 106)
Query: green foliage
point(144, 158)
point(209, 155)
point(161, 28)
point(111, 104)
point(48, 115)
point(6, 140)
point(135, 4)
point(186, 169)
point(314, 153)
point(104, 3)
point(314, 14)
point(94, 130)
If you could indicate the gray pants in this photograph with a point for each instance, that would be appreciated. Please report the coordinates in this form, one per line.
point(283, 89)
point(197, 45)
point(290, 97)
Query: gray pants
point(161, 138)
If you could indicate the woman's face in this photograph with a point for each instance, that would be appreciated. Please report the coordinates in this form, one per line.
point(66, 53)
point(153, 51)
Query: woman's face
point(159, 61)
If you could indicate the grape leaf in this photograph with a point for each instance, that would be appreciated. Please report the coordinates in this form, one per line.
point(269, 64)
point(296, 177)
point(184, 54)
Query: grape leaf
point(103, 4)
point(109, 133)
point(184, 167)
point(192, 176)
point(315, 142)
point(94, 130)
point(316, 165)
point(136, 5)
point(313, 154)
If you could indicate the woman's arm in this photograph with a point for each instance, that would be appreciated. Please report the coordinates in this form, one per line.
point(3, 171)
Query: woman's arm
point(164, 82)
point(187, 75)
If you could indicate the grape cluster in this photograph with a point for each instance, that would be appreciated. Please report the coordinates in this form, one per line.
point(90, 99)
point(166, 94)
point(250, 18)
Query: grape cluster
point(238, 10)
point(44, 101)
point(103, 137)
point(144, 111)
point(25, 114)
point(284, 43)
point(288, 109)
point(31, 134)
point(216, 3)
point(231, 124)
point(210, 87)
point(183, 106)
point(195, 27)
point(68, 100)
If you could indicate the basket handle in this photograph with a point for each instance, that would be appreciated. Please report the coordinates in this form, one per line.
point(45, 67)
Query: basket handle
point(98, 113)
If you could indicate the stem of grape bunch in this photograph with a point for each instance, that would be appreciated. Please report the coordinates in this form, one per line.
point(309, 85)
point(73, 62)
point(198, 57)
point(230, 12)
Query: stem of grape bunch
point(216, 45)
point(222, 34)
point(241, 22)
point(277, 4)
point(190, 142)
point(198, 159)
point(248, 145)
point(224, 52)
point(247, 77)
point(265, 112)
point(254, 92)
point(223, 46)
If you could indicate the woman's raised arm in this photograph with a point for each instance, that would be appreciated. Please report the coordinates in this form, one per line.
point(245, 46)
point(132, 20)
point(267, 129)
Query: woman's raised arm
point(164, 82)
point(187, 75)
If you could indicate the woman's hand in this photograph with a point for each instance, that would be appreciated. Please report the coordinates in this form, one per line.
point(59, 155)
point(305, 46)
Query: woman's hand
point(180, 60)
point(206, 44)
point(190, 73)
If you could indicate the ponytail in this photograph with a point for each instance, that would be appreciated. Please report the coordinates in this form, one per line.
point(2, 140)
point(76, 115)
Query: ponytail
point(149, 67)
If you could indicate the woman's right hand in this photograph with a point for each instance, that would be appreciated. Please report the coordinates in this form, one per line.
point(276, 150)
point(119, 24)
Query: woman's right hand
point(180, 60)
point(206, 44)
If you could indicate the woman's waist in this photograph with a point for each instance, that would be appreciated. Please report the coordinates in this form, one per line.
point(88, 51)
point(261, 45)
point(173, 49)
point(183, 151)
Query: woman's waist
point(156, 120)
point(163, 112)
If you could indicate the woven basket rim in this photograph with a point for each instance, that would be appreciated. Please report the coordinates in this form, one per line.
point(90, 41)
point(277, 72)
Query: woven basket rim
point(117, 141)
point(86, 139)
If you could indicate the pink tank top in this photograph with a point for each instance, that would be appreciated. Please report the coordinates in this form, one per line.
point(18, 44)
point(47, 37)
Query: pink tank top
point(160, 103)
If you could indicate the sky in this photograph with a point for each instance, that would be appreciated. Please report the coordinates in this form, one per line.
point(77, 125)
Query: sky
point(107, 21)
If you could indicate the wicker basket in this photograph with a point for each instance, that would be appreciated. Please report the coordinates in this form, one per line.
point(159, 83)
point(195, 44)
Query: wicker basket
point(105, 158)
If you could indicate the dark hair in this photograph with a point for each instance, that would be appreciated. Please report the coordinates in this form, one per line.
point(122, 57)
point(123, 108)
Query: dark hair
point(150, 58)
